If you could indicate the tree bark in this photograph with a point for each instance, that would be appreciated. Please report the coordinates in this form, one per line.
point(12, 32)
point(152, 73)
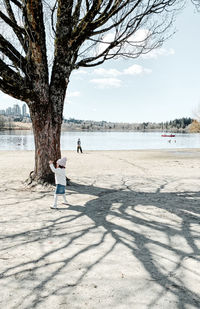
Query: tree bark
point(46, 113)
point(47, 131)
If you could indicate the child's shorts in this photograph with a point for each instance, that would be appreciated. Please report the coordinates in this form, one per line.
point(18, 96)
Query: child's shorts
point(60, 189)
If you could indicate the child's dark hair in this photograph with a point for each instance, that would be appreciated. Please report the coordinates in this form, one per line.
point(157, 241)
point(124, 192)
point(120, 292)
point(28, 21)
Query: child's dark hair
point(60, 166)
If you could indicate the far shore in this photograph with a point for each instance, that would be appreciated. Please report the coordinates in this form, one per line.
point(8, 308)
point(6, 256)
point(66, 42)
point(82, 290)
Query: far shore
point(17, 125)
point(28, 127)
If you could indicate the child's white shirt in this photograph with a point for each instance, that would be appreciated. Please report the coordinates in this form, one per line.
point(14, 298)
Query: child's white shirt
point(60, 177)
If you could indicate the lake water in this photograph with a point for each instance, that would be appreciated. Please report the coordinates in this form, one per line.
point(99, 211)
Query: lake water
point(23, 140)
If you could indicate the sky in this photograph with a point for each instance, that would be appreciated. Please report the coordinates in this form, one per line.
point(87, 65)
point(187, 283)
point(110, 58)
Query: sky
point(157, 87)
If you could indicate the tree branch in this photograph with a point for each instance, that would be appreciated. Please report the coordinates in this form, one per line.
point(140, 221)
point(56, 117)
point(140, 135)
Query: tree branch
point(76, 14)
point(13, 25)
point(63, 54)
point(87, 5)
point(37, 54)
point(83, 30)
point(14, 91)
point(17, 3)
point(52, 13)
point(104, 54)
point(11, 76)
point(129, 21)
point(17, 31)
point(197, 4)
point(110, 11)
point(9, 50)
point(13, 84)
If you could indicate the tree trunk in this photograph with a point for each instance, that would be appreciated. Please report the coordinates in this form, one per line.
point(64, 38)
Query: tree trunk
point(47, 130)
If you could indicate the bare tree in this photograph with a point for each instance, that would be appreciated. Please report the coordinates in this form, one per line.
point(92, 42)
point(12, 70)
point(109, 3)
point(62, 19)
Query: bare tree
point(42, 42)
point(197, 4)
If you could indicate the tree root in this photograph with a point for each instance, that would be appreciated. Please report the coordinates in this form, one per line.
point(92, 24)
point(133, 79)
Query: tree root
point(33, 181)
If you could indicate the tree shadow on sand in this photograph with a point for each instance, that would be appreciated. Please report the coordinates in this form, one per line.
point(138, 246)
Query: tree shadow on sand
point(146, 224)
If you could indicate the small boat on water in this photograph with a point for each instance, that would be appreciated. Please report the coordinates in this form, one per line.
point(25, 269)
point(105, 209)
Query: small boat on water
point(168, 135)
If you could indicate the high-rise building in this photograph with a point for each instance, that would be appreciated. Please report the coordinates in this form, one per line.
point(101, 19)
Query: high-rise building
point(8, 111)
point(16, 110)
point(24, 110)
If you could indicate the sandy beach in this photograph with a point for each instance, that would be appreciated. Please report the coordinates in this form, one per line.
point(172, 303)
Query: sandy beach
point(129, 238)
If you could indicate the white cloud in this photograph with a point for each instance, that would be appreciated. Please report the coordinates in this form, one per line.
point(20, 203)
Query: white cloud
point(106, 82)
point(136, 70)
point(155, 53)
point(139, 37)
point(109, 72)
point(73, 94)
point(132, 70)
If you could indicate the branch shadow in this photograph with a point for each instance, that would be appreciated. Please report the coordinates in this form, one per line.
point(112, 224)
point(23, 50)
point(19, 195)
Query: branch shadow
point(134, 220)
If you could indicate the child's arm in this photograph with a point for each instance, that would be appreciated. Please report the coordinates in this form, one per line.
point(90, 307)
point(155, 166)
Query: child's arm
point(52, 166)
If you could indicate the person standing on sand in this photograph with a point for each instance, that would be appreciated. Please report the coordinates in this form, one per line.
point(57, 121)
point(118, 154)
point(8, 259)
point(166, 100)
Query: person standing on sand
point(60, 180)
point(79, 146)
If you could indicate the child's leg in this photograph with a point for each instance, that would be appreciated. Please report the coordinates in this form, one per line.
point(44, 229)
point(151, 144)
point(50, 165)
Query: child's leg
point(64, 198)
point(55, 200)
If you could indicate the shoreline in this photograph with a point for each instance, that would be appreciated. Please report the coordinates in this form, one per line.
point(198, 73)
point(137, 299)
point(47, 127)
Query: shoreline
point(162, 150)
point(29, 128)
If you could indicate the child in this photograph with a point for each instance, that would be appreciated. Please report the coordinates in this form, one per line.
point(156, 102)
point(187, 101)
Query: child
point(60, 180)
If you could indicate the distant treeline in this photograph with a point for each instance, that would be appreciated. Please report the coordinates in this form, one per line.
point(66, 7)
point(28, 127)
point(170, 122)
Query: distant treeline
point(176, 125)
point(71, 124)
point(181, 123)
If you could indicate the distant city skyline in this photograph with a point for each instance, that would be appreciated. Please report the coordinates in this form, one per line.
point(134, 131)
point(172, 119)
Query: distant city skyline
point(157, 87)
point(15, 111)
